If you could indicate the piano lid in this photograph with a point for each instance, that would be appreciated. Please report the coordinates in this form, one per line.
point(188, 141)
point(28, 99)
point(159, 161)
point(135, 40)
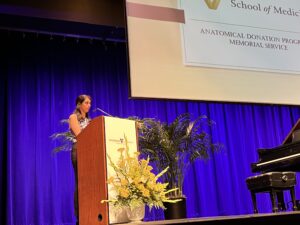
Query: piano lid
point(289, 137)
point(281, 158)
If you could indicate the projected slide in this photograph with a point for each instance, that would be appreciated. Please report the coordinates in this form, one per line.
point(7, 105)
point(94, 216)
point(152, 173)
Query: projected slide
point(256, 35)
point(215, 50)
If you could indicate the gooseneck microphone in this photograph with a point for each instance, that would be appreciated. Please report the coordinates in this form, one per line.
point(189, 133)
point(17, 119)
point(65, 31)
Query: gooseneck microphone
point(101, 110)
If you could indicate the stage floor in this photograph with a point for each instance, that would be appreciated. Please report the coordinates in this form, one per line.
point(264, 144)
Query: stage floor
point(256, 219)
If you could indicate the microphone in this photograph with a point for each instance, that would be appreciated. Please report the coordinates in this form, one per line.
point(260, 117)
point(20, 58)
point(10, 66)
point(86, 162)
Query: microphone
point(98, 109)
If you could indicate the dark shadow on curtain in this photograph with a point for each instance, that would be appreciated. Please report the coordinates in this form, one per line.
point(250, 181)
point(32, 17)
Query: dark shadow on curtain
point(3, 137)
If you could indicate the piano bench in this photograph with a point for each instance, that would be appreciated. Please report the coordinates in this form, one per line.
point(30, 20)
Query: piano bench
point(274, 183)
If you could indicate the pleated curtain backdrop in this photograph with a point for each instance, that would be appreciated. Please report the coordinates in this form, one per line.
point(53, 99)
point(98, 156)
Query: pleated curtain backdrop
point(41, 79)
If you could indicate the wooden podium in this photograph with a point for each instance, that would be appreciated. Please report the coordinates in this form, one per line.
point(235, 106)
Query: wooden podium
point(102, 137)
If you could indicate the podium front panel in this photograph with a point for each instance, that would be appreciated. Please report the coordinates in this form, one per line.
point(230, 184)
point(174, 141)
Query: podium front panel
point(102, 137)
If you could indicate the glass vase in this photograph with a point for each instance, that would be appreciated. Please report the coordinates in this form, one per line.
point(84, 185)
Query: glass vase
point(136, 213)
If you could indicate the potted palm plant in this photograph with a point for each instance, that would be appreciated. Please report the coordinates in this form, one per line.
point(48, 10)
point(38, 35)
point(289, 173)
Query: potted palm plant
point(176, 145)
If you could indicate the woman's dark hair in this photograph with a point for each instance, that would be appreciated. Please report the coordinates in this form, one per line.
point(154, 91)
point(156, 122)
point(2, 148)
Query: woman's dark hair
point(79, 100)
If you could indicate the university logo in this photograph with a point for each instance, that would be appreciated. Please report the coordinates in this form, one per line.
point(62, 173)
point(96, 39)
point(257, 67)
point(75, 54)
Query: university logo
point(212, 4)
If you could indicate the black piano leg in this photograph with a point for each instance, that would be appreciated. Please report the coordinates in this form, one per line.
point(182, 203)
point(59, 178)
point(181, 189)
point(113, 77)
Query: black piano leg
point(273, 199)
point(292, 191)
point(253, 196)
point(280, 200)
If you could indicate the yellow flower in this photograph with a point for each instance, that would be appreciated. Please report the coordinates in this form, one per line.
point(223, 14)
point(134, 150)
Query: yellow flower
point(124, 192)
point(110, 180)
point(124, 182)
point(158, 187)
point(136, 181)
point(121, 164)
point(146, 193)
point(140, 187)
point(150, 185)
point(149, 168)
point(144, 162)
point(152, 176)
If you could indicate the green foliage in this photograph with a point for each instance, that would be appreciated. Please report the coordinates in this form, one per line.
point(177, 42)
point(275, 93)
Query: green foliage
point(65, 139)
point(176, 145)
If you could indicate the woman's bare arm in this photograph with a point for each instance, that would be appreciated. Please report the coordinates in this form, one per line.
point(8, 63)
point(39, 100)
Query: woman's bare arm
point(74, 124)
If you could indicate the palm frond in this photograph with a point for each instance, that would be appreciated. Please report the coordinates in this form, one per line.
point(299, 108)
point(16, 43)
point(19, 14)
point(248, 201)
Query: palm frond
point(65, 139)
point(177, 145)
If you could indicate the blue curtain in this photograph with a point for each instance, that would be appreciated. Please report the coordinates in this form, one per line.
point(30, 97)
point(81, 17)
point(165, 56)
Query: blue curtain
point(43, 76)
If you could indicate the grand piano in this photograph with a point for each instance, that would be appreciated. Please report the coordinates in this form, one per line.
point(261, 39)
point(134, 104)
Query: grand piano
point(285, 157)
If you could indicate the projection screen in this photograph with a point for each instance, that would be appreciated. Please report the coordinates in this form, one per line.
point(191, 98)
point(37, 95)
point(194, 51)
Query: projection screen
point(215, 50)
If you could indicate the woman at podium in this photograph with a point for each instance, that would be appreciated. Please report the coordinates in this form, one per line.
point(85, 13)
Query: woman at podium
point(78, 120)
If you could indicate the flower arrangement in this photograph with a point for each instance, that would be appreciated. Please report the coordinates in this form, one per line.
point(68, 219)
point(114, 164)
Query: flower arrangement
point(135, 184)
